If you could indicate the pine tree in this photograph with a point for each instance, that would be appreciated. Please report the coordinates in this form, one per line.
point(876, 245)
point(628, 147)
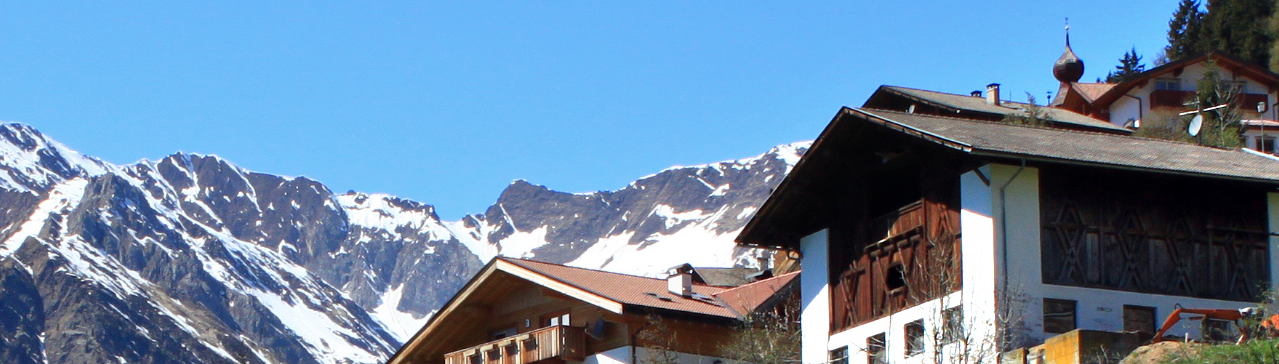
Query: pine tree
point(1184, 31)
point(1239, 28)
point(1272, 26)
point(1129, 66)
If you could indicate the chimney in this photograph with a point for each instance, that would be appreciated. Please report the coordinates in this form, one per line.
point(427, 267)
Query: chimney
point(975, 93)
point(992, 94)
point(680, 281)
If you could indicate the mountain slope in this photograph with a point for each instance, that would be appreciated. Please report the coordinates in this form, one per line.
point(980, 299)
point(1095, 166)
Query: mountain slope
point(193, 259)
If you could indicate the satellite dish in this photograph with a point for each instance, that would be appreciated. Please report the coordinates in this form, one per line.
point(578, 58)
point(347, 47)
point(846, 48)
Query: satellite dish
point(1196, 124)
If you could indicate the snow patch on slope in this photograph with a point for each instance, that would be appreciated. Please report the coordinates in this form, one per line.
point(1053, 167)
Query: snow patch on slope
point(399, 323)
point(61, 198)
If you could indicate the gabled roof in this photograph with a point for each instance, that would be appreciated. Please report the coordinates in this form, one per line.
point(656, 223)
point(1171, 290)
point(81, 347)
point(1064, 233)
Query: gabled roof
point(1091, 91)
point(1102, 149)
point(756, 296)
point(617, 293)
point(993, 141)
point(627, 290)
point(1226, 62)
point(977, 104)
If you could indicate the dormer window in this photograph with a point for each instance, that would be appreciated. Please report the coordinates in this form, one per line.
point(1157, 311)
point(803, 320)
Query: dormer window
point(1168, 84)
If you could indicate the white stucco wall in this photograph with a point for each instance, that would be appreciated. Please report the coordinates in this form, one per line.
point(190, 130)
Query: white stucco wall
point(985, 220)
point(815, 296)
point(1252, 136)
point(1096, 309)
point(1126, 108)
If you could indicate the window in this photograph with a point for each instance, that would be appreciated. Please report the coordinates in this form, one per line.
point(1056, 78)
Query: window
point(559, 318)
point(1216, 330)
point(1141, 320)
point(896, 278)
point(953, 325)
point(876, 346)
point(1266, 144)
point(914, 338)
point(1168, 84)
point(1059, 315)
point(839, 356)
point(502, 333)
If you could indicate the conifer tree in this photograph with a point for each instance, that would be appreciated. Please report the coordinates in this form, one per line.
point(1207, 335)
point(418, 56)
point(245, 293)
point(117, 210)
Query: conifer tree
point(1184, 31)
point(1129, 66)
point(1238, 28)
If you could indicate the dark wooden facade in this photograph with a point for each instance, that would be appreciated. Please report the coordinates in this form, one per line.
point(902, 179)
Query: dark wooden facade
point(897, 243)
point(1153, 233)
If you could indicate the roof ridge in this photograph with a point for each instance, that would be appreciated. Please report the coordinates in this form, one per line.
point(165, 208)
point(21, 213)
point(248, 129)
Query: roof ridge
point(1001, 102)
point(1051, 128)
point(513, 260)
point(752, 284)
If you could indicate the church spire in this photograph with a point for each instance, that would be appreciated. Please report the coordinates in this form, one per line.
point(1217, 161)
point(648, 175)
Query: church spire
point(1069, 68)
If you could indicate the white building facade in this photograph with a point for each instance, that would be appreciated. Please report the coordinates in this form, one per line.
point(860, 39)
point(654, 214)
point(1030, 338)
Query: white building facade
point(1026, 275)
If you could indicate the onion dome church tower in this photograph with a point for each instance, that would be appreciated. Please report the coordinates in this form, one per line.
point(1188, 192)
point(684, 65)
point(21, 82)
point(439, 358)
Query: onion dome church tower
point(1069, 68)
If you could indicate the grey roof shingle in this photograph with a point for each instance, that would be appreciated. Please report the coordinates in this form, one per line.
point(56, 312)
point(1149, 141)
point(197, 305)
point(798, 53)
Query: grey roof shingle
point(973, 103)
point(1009, 140)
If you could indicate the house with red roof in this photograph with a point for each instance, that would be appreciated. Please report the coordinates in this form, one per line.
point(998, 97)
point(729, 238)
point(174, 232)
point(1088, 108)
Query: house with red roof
point(1159, 97)
point(525, 311)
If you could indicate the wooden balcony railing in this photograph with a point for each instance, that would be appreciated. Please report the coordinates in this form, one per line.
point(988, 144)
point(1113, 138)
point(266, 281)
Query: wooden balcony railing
point(897, 222)
point(555, 342)
point(1177, 99)
point(1169, 98)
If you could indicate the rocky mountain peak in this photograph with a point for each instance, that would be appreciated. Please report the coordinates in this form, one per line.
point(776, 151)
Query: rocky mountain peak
point(192, 258)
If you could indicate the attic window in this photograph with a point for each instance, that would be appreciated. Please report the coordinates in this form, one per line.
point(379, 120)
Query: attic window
point(896, 277)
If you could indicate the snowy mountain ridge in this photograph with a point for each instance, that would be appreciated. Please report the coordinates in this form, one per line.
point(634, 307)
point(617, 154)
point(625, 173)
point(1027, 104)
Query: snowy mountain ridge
point(194, 259)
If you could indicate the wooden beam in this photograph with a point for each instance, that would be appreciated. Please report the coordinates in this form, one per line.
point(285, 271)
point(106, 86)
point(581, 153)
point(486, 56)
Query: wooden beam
point(561, 287)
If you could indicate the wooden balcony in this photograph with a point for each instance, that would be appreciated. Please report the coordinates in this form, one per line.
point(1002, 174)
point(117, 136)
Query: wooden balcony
point(895, 223)
point(551, 344)
point(1177, 99)
point(1169, 98)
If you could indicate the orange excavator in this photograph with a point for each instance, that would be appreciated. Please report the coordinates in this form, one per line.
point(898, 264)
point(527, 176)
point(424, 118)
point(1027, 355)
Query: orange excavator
point(1269, 327)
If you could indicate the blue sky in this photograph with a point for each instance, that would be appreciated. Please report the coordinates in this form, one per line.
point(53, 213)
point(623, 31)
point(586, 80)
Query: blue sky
point(447, 103)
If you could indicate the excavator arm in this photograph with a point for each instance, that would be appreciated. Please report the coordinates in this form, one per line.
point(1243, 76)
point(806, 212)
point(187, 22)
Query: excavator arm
point(1220, 314)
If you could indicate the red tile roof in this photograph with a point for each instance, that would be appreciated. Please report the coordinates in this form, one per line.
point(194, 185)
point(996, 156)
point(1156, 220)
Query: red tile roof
point(747, 298)
point(1092, 91)
point(632, 290)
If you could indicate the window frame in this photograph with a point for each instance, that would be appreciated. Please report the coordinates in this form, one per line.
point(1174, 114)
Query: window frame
point(838, 356)
point(877, 353)
point(952, 325)
point(914, 334)
point(1072, 313)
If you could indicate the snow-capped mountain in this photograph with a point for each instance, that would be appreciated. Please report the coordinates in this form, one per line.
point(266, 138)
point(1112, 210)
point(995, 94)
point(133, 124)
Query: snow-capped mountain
point(193, 259)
